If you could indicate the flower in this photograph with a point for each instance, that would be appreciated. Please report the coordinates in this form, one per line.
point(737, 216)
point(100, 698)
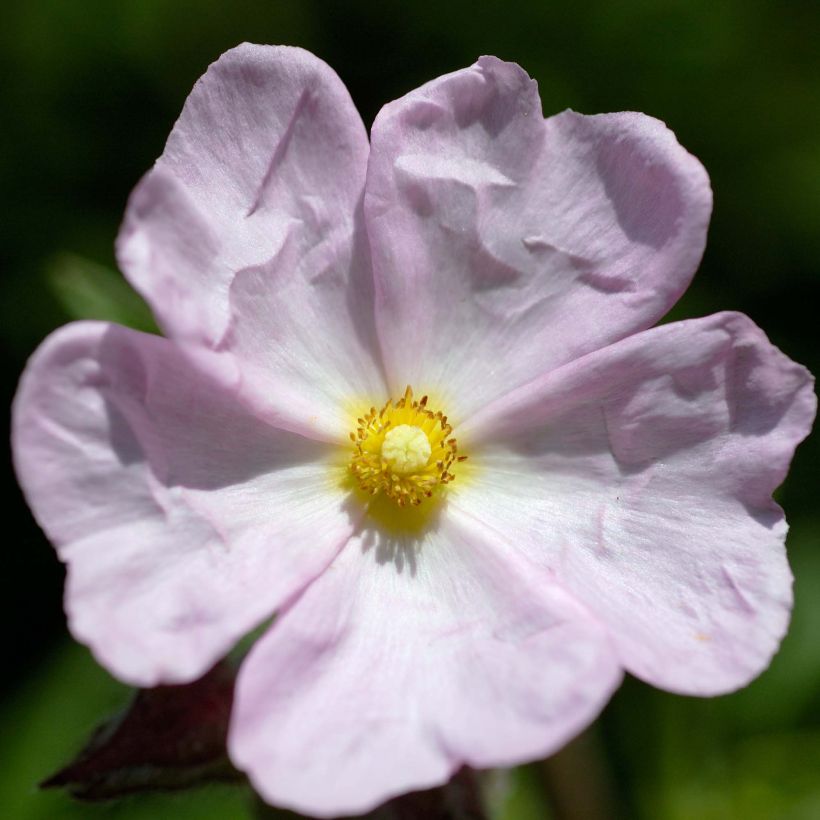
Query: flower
point(477, 282)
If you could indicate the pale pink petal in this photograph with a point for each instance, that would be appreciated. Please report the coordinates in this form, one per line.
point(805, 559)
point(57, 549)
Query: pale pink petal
point(247, 232)
point(407, 659)
point(183, 519)
point(641, 475)
point(505, 245)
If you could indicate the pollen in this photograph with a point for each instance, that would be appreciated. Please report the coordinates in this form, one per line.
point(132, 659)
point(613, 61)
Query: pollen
point(405, 451)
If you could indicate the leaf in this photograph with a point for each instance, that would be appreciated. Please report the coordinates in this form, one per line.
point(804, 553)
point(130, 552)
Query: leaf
point(87, 290)
point(460, 799)
point(170, 737)
point(61, 703)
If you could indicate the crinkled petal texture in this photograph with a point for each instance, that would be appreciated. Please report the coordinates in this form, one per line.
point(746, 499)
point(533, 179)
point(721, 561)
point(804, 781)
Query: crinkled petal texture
point(247, 234)
point(504, 244)
point(406, 660)
point(184, 519)
point(641, 476)
point(617, 513)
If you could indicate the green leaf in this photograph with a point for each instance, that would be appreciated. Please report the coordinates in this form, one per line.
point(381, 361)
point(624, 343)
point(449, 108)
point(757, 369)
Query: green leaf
point(87, 290)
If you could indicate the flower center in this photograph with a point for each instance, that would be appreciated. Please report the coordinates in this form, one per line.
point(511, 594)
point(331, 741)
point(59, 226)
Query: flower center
point(404, 450)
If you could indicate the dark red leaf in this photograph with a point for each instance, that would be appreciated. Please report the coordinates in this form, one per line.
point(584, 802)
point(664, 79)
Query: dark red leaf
point(460, 799)
point(170, 737)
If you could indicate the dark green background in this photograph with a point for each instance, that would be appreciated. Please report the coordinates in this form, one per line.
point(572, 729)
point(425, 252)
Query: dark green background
point(89, 92)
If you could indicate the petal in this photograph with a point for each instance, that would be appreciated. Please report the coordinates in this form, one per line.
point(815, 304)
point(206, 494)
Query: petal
point(405, 660)
point(184, 520)
point(641, 475)
point(246, 232)
point(505, 245)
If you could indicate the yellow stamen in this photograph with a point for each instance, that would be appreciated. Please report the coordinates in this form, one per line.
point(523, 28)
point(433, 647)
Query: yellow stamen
point(404, 451)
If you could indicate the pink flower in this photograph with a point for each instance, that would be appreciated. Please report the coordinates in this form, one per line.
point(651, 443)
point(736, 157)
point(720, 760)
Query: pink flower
point(614, 511)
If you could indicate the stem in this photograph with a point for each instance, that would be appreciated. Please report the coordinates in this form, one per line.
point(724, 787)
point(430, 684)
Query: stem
point(579, 782)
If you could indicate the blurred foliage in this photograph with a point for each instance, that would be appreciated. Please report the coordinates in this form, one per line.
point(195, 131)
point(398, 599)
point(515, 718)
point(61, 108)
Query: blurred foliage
point(90, 92)
point(516, 794)
point(751, 755)
point(86, 290)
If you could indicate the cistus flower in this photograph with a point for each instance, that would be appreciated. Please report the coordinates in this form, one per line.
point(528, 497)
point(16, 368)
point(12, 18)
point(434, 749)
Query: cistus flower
point(408, 401)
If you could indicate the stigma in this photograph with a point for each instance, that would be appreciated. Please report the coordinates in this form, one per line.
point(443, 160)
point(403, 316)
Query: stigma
point(404, 451)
